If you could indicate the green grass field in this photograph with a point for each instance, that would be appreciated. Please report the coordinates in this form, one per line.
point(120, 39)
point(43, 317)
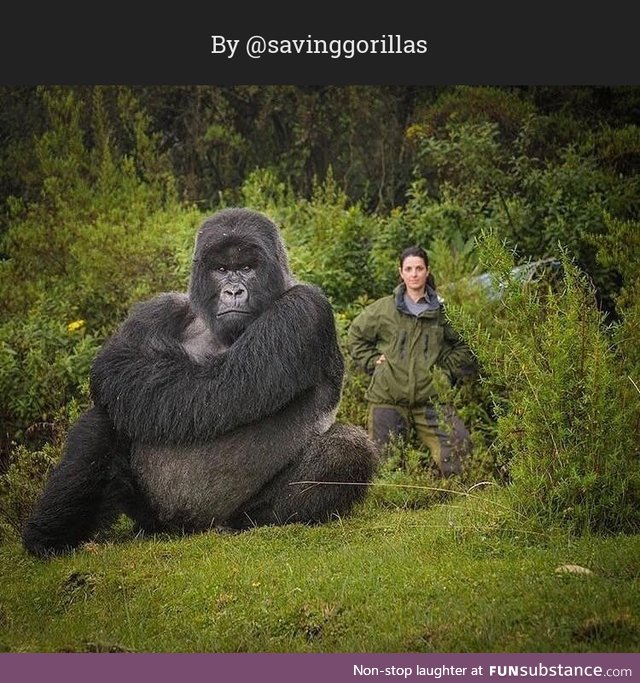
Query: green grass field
point(442, 579)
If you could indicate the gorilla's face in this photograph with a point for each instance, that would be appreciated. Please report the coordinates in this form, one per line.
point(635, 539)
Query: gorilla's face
point(238, 271)
point(235, 273)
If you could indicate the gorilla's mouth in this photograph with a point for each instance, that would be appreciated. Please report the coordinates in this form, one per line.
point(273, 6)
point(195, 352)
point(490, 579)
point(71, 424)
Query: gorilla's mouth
point(237, 311)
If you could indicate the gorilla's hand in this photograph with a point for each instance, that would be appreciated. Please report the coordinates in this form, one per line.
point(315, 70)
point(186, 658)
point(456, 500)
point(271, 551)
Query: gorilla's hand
point(154, 392)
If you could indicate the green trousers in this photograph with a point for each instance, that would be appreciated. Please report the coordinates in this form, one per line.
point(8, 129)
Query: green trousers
point(439, 428)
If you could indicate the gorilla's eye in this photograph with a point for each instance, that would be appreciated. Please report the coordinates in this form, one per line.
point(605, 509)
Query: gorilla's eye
point(246, 268)
point(221, 269)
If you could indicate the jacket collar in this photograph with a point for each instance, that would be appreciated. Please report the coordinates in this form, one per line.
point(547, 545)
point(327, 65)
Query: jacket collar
point(430, 295)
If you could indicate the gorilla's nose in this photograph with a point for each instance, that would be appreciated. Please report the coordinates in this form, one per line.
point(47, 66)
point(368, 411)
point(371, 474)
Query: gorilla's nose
point(234, 294)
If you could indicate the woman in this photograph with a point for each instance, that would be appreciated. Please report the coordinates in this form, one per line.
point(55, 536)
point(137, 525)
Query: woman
point(403, 340)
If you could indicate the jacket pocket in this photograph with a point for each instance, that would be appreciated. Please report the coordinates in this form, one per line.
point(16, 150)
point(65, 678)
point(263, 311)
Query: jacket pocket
point(433, 343)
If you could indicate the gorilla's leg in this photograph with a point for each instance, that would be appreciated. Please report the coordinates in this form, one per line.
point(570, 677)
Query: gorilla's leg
point(80, 496)
point(344, 455)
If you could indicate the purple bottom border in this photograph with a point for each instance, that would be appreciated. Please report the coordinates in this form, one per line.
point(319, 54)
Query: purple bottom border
point(316, 668)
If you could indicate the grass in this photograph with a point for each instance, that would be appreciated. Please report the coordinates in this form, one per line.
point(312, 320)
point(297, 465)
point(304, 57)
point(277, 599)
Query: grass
point(442, 579)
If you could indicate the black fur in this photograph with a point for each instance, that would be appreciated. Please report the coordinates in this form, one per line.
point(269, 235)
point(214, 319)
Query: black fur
point(208, 405)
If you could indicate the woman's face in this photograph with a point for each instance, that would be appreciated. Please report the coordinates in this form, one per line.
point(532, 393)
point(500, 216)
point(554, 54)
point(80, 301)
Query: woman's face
point(414, 273)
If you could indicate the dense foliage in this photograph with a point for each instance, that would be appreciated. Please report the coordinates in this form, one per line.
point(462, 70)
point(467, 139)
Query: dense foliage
point(102, 189)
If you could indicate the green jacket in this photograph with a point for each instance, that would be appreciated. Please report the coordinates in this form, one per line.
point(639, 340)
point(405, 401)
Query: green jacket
point(412, 345)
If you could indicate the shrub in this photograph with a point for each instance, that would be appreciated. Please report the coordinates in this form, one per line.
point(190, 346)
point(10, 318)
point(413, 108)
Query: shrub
point(327, 239)
point(565, 411)
point(43, 362)
point(23, 480)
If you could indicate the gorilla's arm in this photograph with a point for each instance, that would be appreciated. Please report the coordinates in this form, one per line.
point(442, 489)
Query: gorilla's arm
point(154, 392)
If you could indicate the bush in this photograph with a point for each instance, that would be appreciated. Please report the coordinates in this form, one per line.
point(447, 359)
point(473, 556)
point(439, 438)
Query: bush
point(566, 415)
point(21, 485)
point(43, 362)
point(24, 478)
point(327, 239)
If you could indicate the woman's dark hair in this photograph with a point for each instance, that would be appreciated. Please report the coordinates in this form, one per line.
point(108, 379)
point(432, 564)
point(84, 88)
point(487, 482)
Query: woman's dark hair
point(414, 251)
point(418, 251)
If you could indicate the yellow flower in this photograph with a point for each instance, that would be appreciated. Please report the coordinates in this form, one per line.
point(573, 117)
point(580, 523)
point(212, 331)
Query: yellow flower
point(75, 325)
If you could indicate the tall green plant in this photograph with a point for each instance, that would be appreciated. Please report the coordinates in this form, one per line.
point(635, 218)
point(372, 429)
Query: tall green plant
point(565, 410)
point(619, 250)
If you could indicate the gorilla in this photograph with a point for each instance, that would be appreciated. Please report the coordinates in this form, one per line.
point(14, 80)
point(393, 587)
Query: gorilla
point(212, 409)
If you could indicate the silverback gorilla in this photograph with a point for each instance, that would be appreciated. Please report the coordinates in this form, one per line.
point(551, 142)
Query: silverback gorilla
point(209, 406)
